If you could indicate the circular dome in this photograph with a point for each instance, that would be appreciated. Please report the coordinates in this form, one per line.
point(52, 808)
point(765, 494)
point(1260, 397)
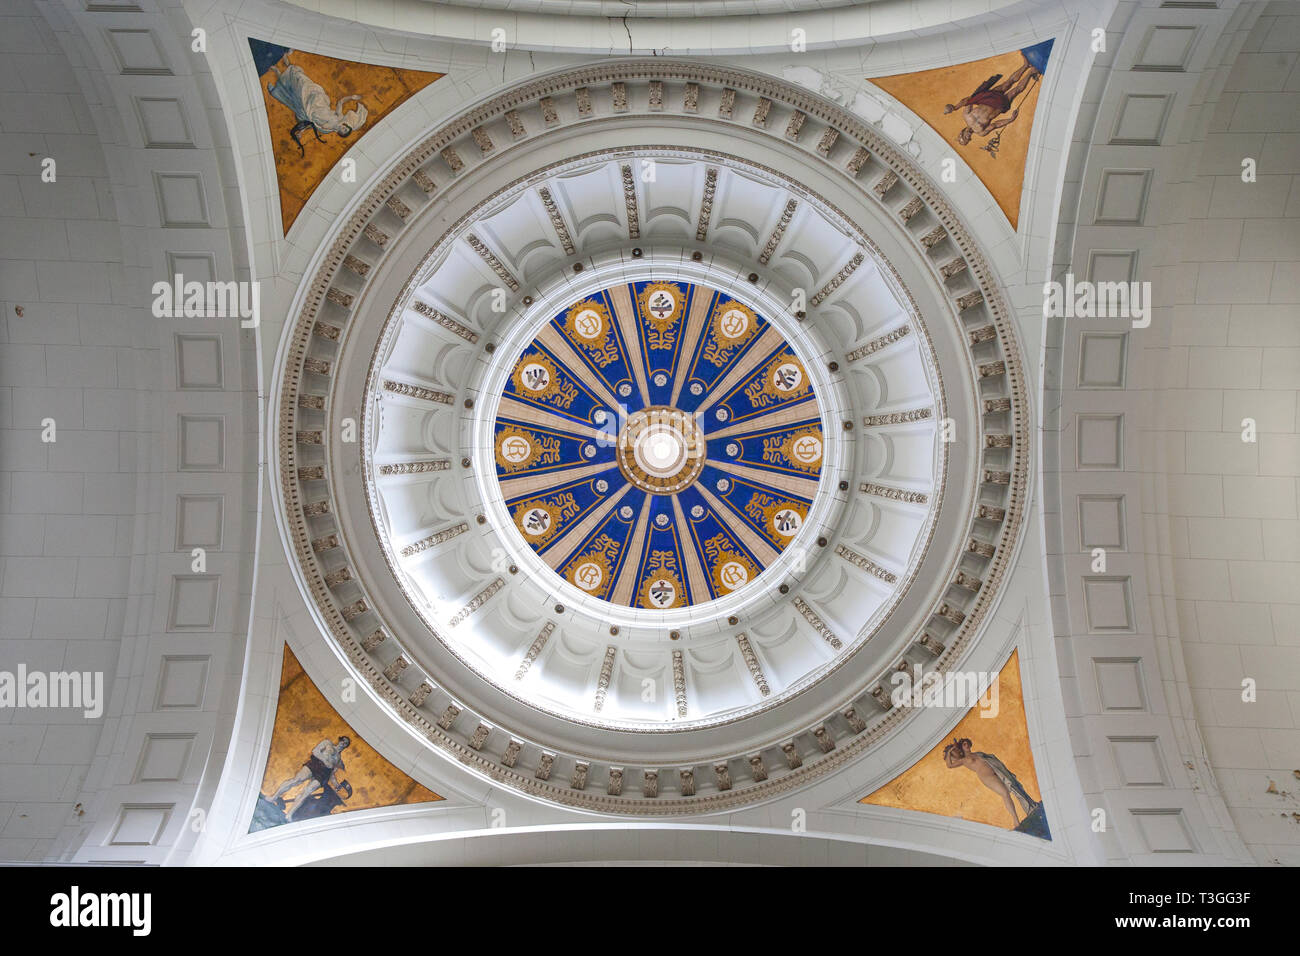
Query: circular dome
point(488, 317)
point(657, 445)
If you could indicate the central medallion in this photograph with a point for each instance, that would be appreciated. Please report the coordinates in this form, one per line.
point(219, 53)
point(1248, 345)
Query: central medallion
point(658, 444)
point(661, 449)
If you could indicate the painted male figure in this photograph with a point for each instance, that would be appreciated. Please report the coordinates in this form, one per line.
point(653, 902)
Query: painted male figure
point(321, 771)
point(989, 108)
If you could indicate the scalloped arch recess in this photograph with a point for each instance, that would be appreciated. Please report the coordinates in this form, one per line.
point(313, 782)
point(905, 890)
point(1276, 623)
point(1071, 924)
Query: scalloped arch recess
point(302, 115)
point(996, 87)
point(998, 733)
point(303, 720)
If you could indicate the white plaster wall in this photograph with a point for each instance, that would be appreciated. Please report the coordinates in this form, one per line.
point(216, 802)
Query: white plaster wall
point(1234, 353)
point(66, 507)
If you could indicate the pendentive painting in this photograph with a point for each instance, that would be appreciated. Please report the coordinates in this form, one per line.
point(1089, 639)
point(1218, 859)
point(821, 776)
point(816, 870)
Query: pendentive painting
point(985, 110)
point(982, 771)
point(317, 108)
point(318, 766)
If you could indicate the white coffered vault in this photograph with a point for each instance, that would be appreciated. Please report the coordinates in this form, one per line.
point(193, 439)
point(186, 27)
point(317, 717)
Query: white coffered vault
point(980, 487)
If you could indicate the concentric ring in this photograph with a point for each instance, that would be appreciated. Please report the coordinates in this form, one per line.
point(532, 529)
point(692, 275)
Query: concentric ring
point(658, 444)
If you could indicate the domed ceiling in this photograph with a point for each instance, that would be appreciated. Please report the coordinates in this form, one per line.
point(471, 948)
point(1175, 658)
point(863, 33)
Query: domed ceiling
point(665, 459)
point(658, 445)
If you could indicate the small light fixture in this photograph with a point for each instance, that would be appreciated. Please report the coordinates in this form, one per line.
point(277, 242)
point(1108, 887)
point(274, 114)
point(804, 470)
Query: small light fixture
point(636, 253)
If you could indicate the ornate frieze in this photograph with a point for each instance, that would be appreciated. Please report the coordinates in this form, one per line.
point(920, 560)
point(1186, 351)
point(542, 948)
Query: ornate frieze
point(817, 623)
point(706, 203)
point(602, 681)
point(778, 231)
point(898, 418)
point(534, 649)
point(418, 391)
point(435, 539)
point(878, 343)
point(557, 220)
point(493, 262)
point(629, 203)
point(751, 662)
point(679, 682)
point(838, 279)
point(476, 602)
point(865, 564)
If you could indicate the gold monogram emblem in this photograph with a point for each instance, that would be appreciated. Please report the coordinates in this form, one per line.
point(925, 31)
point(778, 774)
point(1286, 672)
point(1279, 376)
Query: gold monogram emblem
point(729, 568)
point(784, 379)
point(518, 449)
point(539, 520)
point(662, 588)
point(588, 325)
point(779, 519)
point(591, 571)
point(732, 326)
point(661, 304)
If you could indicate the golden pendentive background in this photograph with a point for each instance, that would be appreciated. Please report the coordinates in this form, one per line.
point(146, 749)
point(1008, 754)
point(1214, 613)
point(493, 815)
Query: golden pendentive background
point(930, 786)
point(382, 89)
point(926, 93)
point(303, 718)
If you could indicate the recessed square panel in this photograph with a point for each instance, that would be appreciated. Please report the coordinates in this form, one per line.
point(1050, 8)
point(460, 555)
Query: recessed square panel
point(199, 521)
point(140, 824)
point(137, 52)
point(1138, 762)
point(193, 602)
point(164, 758)
point(1101, 522)
point(202, 443)
point(1165, 49)
point(1120, 685)
point(163, 122)
point(1112, 265)
point(182, 682)
point(182, 202)
point(1141, 119)
point(1164, 830)
point(192, 266)
point(1108, 603)
point(1122, 197)
point(1101, 442)
point(198, 362)
point(1103, 359)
